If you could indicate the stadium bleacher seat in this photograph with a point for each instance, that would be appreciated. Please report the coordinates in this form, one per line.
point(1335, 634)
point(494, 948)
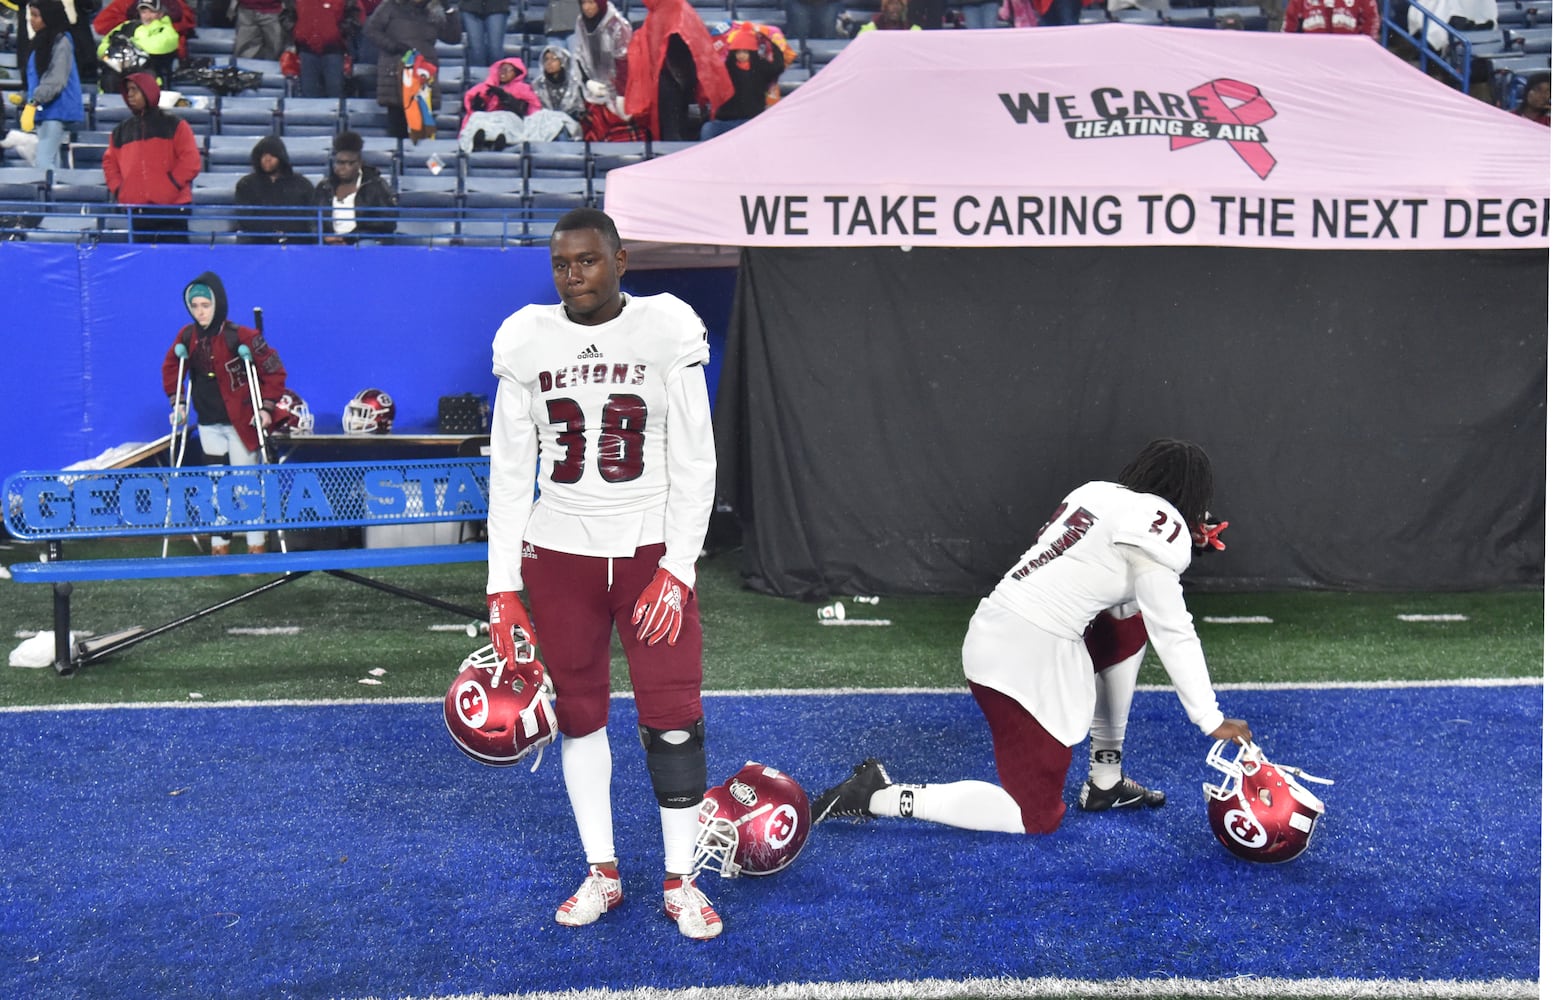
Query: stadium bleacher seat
point(215, 198)
point(507, 164)
point(245, 115)
point(230, 154)
point(23, 184)
point(271, 82)
point(416, 158)
point(433, 201)
point(217, 43)
point(107, 112)
point(381, 152)
point(310, 154)
point(819, 51)
point(85, 149)
point(557, 193)
point(310, 116)
point(665, 148)
point(555, 159)
point(1190, 17)
point(365, 115)
point(505, 209)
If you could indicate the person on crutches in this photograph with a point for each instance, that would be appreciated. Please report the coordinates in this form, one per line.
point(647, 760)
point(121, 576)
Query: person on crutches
point(232, 398)
point(178, 442)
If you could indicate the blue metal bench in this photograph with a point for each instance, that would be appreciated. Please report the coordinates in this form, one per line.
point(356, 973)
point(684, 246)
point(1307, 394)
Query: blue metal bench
point(60, 506)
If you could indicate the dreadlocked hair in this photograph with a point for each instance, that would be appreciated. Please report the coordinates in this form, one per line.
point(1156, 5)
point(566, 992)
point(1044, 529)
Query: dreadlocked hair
point(1177, 471)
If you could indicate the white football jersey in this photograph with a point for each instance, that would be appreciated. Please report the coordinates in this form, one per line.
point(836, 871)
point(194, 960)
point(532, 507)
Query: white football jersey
point(1106, 547)
point(1074, 570)
point(618, 419)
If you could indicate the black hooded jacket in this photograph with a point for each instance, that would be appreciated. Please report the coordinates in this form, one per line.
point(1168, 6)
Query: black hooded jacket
point(274, 207)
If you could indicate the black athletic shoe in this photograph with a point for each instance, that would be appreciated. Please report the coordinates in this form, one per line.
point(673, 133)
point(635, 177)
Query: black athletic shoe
point(850, 798)
point(1127, 794)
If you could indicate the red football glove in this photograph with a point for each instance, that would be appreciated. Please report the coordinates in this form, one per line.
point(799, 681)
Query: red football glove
point(1206, 536)
point(511, 628)
point(660, 611)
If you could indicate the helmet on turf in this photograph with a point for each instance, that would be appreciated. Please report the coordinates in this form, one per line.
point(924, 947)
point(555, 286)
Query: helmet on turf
point(292, 415)
point(755, 823)
point(1261, 812)
point(370, 411)
point(493, 715)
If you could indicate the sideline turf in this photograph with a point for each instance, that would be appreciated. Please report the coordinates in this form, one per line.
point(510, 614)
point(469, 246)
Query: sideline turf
point(752, 640)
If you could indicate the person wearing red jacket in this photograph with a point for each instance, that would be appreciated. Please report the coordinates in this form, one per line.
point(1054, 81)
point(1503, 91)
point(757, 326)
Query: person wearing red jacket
point(152, 160)
point(220, 396)
point(1333, 17)
point(323, 32)
point(670, 64)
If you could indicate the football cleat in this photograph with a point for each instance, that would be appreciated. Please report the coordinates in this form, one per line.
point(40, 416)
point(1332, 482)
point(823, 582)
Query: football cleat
point(688, 906)
point(1125, 794)
point(599, 893)
point(850, 798)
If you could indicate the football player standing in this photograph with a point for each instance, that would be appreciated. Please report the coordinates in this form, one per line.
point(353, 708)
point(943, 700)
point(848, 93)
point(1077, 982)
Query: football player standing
point(606, 391)
point(1052, 654)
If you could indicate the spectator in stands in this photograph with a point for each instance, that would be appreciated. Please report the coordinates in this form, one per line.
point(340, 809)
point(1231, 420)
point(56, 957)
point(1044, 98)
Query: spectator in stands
point(559, 86)
point(497, 112)
point(600, 44)
point(1021, 13)
point(151, 39)
point(273, 198)
point(811, 18)
point(754, 62)
point(1061, 12)
point(485, 30)
point(260, 34)
point(1333, 17)
point(978, 13)
point(399, 28)
point(605, 120)
point(349, 186)
point(53, 84)
point(672, 64)
point(150, 164)
point(1534, 103)
point(219, 390)
point(891, 17)
point(323, 32)
point(80, 14)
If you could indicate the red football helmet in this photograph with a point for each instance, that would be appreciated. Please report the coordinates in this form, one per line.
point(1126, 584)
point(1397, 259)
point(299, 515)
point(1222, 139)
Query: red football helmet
point(493, 715)
point(370, 411)
point(292, 415)
point(755, 823)
point(1261, 812)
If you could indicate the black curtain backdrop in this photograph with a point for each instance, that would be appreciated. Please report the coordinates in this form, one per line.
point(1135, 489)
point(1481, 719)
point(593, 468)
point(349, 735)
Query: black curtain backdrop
point(898, 421)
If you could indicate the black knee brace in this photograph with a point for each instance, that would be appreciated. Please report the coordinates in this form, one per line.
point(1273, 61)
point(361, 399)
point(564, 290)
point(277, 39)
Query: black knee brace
point(676, 763)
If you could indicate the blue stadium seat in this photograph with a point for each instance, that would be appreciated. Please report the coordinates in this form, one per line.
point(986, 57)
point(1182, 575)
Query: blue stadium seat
point(1190, 17)
point(310, 154)
point(606, 156)
point(230, 154)
point(555, 159)
point(432, 202)
point(557, 193)
point(253, 116)
point(498, 212)
point(85, 149)
point(382, 152)
point(23, 184)
point(215, 198)
point(217, 43)
point(416, 158)
point(311, 116)
point(365, 115)
point(492, 163)
point(271, 82)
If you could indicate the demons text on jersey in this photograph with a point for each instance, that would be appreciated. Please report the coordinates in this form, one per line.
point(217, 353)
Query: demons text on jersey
point(1077, 525)
point(594, 374)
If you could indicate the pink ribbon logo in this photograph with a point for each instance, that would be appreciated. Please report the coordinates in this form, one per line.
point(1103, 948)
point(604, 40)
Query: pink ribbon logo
point(1252, 109)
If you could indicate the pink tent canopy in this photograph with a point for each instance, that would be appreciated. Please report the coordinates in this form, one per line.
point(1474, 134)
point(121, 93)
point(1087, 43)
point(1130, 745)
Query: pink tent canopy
point(1105, 135)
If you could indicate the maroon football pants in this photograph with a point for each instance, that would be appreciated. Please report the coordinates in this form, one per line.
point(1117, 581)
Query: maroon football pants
point(1032, 763)
point(577, 601)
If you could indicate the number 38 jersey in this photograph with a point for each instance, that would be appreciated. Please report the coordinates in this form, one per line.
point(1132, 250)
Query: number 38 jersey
point(618, 418)
point(1074, 570)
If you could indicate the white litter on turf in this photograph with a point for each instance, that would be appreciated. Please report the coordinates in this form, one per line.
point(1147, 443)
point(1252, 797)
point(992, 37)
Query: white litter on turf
point(1237, 620)
point(369, 680)
point(856, 621)
point(1431, 618)
point(265, 630)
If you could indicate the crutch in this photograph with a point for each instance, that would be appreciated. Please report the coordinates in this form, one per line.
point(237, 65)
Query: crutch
point(258, 404)
point(180, 441)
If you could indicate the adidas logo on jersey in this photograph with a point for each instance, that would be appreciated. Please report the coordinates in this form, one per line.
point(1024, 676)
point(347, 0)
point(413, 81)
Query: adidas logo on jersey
point(590, 352)
point(528, 551)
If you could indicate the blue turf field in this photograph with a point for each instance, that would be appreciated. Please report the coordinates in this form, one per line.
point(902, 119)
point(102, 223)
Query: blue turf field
point(350, 851)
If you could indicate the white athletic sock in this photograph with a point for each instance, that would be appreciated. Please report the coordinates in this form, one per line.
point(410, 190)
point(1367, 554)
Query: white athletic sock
point(969, 805)
point(680, 827)
point(587, 766)
point(1114, 688)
